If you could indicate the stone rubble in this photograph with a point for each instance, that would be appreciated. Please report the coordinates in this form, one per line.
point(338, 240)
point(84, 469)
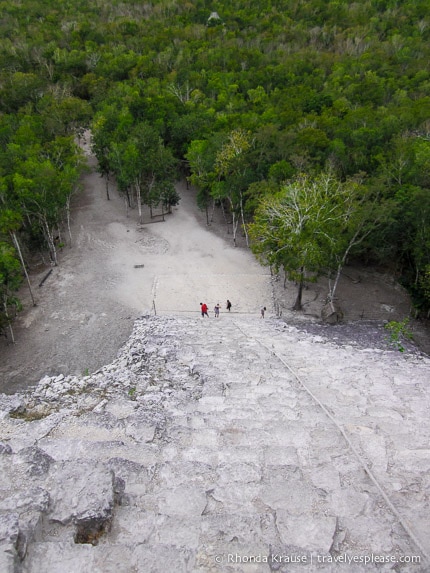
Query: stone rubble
point(203, 448)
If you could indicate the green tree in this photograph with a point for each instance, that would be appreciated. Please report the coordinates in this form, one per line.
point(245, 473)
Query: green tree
point(302, 228)
point(110, 126)
point(43, 189)
point(10, 279)
point(233, 170)
point(145, 167)
point(10, 223)
point(201, 156)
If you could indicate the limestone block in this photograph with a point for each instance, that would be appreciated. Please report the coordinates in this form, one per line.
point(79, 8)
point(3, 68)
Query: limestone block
point(25, 499)
point(325, 477)
point(414, 460)
point(238, 497)
point(183, 500)
point(29, 527)
point(239, 472)
point(5, 448)
point(132, 525)
point(140, 432)
point(80, 490)
point(62, 557)
point(315, 533)
point(11, 404)
point(36, 461)
point(162, 558)
point(114, 559)
point(176, 473)
point(280, 456)
point(9, 529)
point(121, 408)
point(175, 530)
point(7, 558)
point(349, 502)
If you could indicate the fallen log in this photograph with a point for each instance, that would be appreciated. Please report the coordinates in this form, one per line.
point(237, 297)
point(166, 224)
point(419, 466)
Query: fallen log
point(45, 277)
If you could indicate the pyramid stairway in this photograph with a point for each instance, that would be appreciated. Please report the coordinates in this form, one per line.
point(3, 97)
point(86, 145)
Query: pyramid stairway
point(234, 444)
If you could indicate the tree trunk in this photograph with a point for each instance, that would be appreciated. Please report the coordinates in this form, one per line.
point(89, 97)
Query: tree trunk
point(21, 258)
point(51, 243)
point(107, 186)
point(235, 224)
point(213, 211)
point(243, 221)
point(149, 202)
point(68, 219)
point(298, 303)
point(225, 217)
point(336, 282)
point(352, 242)
point(139, 202)
point(127, 194)
point(8, 319)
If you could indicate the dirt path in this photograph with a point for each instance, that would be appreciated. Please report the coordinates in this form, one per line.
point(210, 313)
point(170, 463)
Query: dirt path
point(86, 308)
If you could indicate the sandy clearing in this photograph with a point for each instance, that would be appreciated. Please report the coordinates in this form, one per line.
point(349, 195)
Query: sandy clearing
point(86, 308)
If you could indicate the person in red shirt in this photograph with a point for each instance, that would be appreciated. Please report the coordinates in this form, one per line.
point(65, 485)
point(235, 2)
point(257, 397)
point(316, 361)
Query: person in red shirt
point(204, 309)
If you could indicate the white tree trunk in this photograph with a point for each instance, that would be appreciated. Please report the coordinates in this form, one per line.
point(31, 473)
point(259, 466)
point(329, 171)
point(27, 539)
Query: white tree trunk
point(51, 242)
point(235, 225)
point(213, 212)
point(68, 219)
point(139, 202)
point(21, 258)
point(243, 221)
point(8, 320)
point(107, 186)
point(234, 221)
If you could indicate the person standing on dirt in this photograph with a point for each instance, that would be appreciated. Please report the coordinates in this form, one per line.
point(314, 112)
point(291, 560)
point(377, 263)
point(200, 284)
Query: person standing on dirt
point(262, 311)
point(228, 307)
point(216, 310)
point(204, 309)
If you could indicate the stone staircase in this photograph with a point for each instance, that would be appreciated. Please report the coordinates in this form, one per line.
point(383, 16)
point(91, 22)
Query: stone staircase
point(218, 445)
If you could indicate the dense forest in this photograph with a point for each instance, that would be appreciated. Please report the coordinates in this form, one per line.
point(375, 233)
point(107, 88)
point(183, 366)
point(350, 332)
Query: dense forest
point(307, 122)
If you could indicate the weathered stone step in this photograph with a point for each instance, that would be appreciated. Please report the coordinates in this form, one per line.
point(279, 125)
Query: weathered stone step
point(206, 443)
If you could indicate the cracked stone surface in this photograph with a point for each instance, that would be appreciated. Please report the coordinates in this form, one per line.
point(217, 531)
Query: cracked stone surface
point(225, 445)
